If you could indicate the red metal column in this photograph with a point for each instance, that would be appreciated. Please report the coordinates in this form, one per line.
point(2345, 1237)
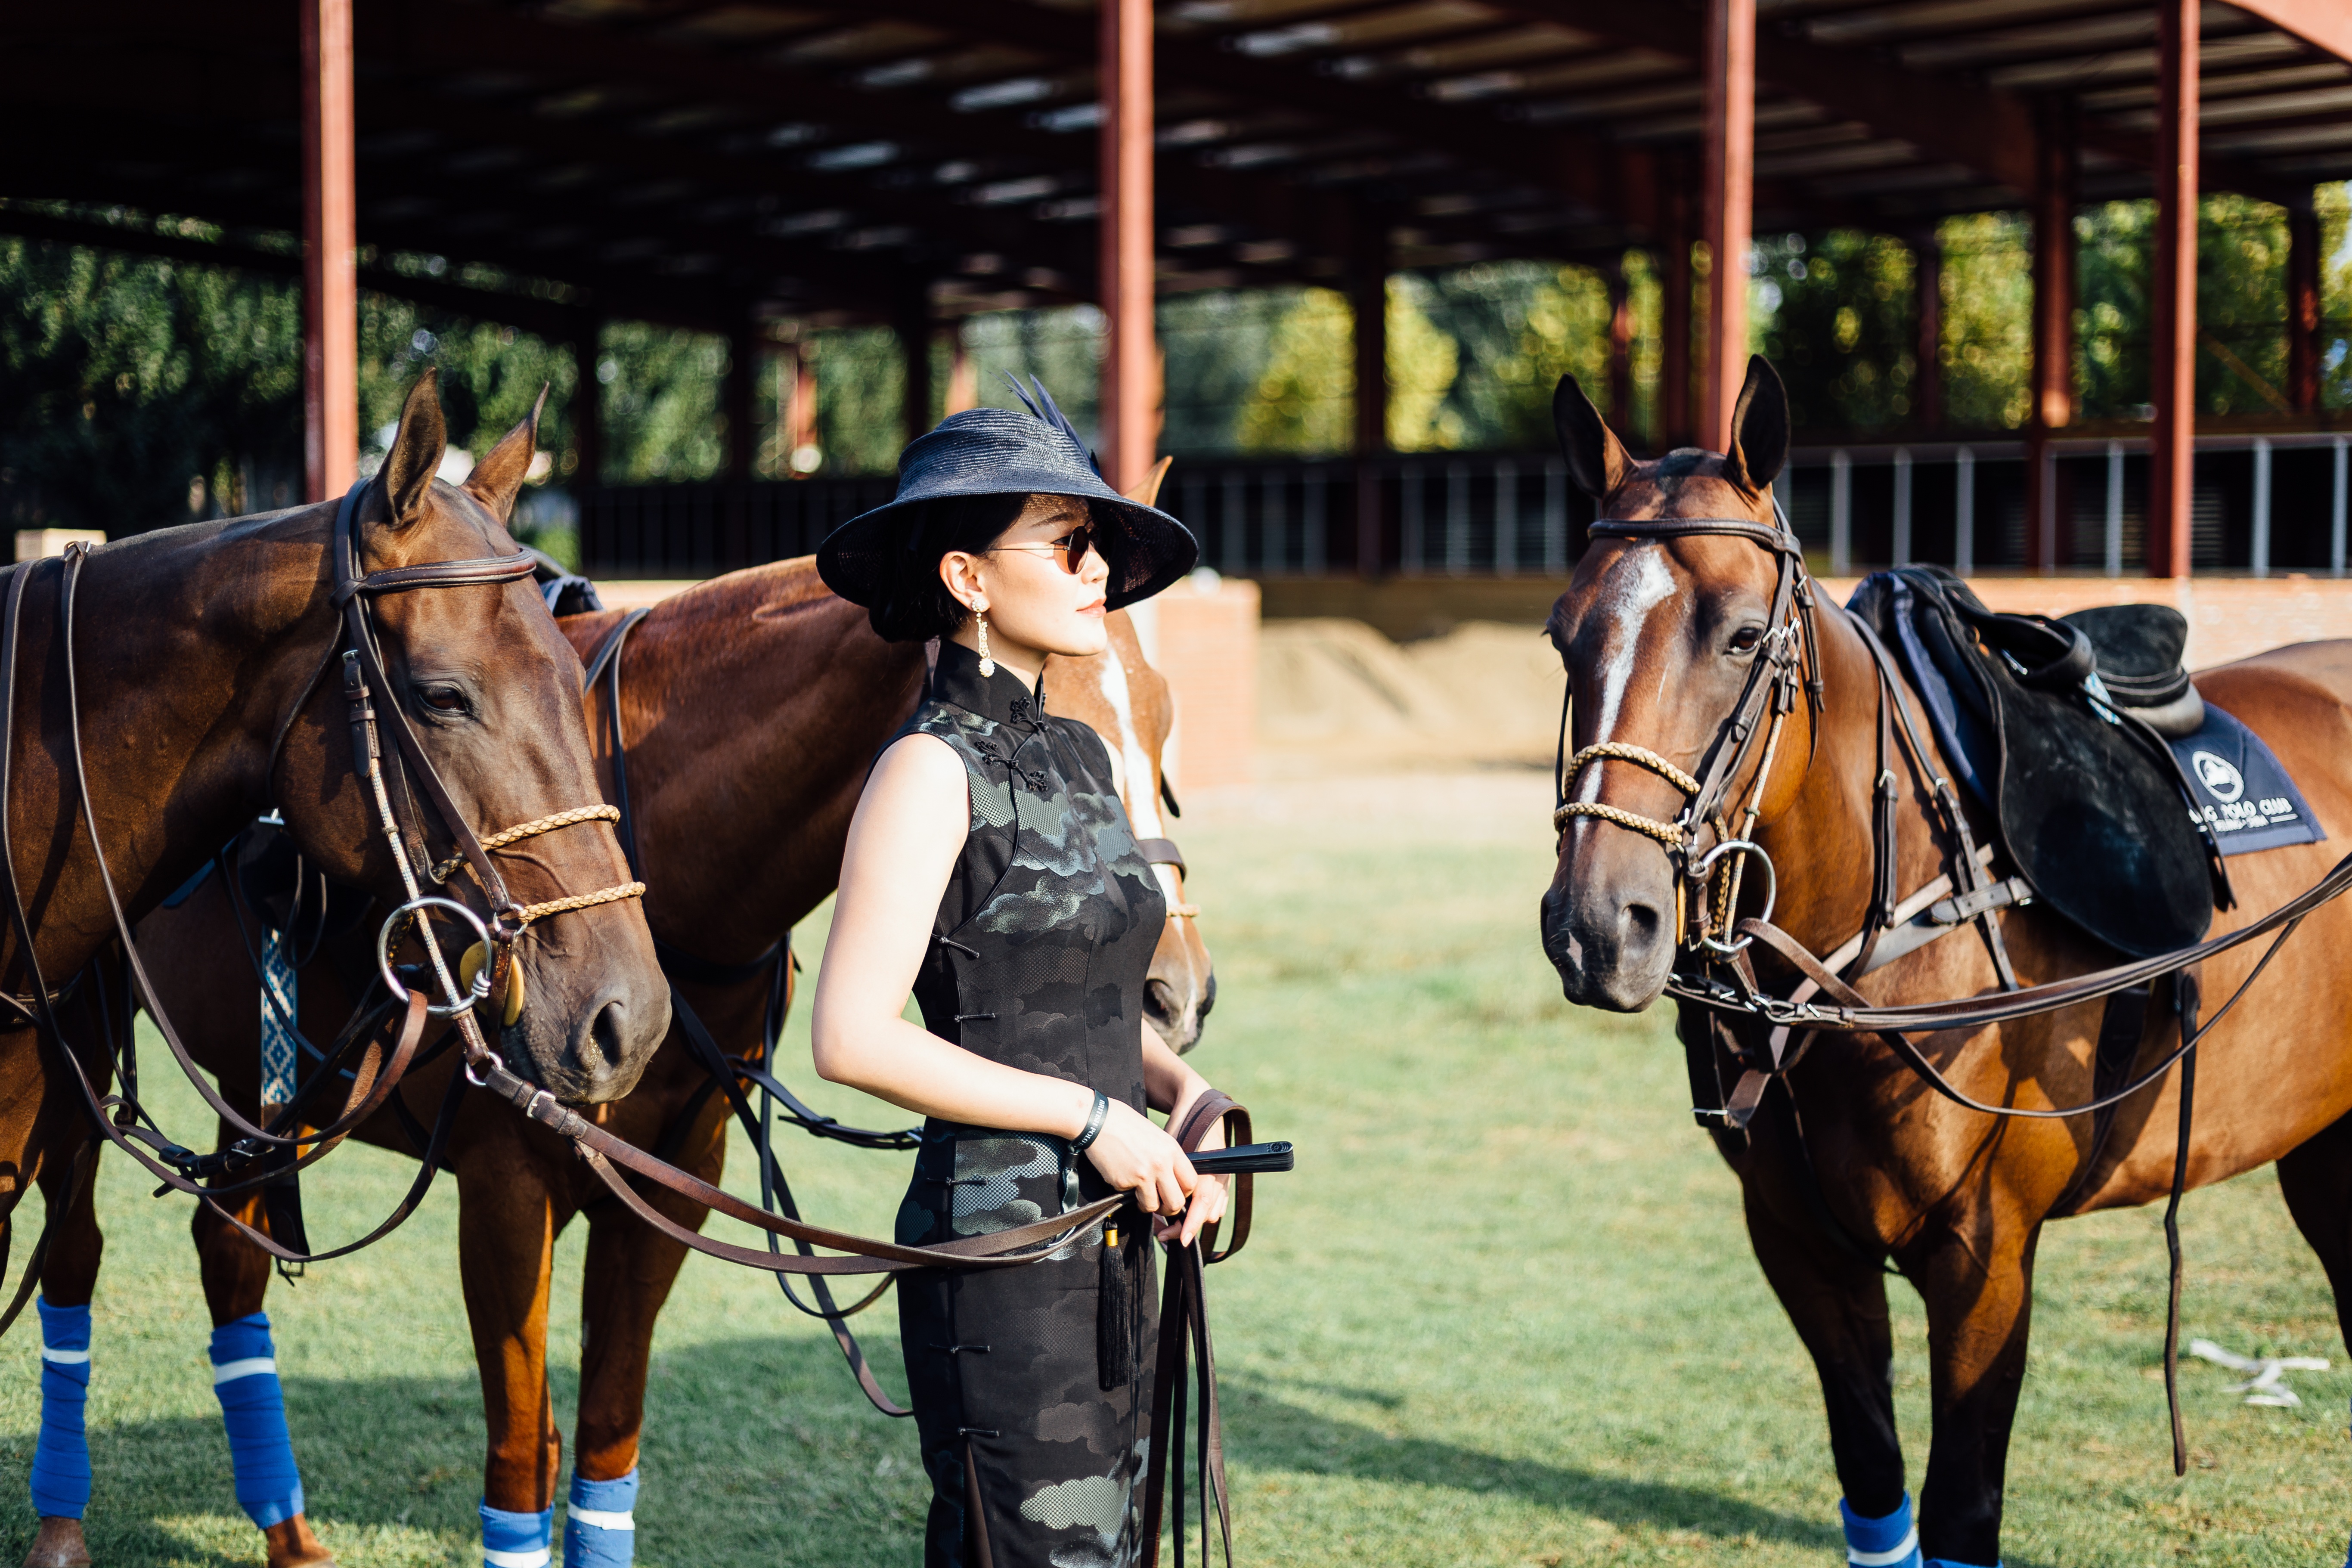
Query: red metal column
point(1675, 428)
point(1621, 354)
point(2172, 358)
point(2303, 306)
point(1130, 424)
point(1730, 191)
point(1368, 294)
point(1927, 291)
point(2057, 162)
point(963, 374)
point(330, 302)
point(800, 428)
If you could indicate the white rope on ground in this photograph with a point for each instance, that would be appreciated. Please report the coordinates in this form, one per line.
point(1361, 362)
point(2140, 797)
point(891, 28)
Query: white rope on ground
point(2266, 1385)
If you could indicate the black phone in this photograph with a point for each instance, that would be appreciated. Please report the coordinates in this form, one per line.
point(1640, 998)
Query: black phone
point(1243, 1160)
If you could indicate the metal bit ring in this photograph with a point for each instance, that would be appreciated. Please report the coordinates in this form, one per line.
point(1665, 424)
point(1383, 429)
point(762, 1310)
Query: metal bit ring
point(457, 1003)
point(1699, 873)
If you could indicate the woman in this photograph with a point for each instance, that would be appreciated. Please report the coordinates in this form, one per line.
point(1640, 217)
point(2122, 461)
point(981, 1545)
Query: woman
point(990, 870)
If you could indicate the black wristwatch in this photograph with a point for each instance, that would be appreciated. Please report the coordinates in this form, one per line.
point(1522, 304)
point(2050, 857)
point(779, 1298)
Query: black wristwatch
point(1095, 1120)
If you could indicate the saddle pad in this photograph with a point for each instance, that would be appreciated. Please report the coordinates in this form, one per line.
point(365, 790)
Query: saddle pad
point(1964, 731)
point(2088, 807)
point(2245, 795)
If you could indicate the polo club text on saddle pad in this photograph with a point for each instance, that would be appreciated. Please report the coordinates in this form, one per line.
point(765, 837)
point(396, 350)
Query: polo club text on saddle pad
point(2246, 797)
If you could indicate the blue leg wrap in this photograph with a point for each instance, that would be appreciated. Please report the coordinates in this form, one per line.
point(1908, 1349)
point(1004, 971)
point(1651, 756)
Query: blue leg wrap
point(62, 1456)
point(517, 1540)
point(1889, 1542)
point(253, 1408)
point(600, 1527)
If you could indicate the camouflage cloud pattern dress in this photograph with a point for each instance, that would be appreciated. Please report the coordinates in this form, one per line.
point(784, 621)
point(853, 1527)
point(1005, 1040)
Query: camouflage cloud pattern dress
point(1032, 1386)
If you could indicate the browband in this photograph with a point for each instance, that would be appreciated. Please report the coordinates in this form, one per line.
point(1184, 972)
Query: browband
point(482, 569)
point(1771, 536)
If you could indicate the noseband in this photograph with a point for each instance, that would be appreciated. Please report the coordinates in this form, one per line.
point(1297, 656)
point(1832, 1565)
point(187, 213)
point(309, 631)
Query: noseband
point(1709, 855)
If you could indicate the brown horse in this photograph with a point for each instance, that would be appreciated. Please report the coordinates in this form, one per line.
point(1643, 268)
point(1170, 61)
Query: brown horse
point(1659, 635)
point(751, 706)
point(199, 662)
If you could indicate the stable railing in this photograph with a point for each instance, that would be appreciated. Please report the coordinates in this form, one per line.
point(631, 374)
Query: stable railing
point(2259, 504)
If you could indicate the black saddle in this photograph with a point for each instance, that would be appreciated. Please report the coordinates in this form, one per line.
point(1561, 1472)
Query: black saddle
point(2089, 802)
point(567, 594)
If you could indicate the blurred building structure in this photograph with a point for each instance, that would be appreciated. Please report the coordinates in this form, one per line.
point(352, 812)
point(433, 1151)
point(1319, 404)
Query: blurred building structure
point(723, 165)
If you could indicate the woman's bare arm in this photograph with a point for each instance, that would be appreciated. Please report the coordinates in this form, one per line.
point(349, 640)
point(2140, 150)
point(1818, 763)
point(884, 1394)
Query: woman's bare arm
point(903, 841)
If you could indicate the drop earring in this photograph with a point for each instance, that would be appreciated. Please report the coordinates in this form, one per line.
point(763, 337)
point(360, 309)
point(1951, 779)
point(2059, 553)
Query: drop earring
point(987, 664)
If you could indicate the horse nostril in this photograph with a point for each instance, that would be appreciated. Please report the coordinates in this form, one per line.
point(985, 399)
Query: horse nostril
point(607, 1047)
point(1208, 997)
point(1160, 1002)
point(1638, 925)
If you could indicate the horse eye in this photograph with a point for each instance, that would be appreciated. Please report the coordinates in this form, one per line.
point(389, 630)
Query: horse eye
point(443, 699)
point(1747, 639)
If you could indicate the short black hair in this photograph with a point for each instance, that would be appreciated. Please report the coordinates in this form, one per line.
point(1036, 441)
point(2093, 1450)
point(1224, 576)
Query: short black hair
point(914, 604)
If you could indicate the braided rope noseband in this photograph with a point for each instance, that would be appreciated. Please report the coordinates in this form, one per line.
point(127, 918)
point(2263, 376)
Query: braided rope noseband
point(1668, 833)
point(524, 914)
point(1771, 686)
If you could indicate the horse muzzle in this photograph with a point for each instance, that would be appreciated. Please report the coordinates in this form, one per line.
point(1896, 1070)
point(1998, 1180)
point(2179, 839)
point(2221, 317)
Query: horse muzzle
point(1613, 944)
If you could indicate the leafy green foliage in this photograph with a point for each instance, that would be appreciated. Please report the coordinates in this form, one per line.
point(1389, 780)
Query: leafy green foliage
point(1304, 401)
point(1836, 318)
point(661, 390)
point(1516, 327)
point(490, 375)
point(128, 386)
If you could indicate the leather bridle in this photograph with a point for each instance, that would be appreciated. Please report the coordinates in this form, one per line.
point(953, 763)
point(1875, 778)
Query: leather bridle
point(288, 1142)
point(1708, 852)
point(1727, 983)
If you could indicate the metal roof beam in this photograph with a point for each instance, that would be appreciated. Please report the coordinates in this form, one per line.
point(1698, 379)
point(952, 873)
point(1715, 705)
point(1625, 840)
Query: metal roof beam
point(1946, 118)
point(700, 75)
point(1588, 169)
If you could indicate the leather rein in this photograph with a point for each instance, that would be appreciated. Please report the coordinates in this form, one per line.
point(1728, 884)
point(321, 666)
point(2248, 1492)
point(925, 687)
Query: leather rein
point(287, 1144)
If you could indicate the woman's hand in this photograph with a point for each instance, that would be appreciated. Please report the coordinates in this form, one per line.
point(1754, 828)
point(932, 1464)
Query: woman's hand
point(1210, 1196)
point(1137, 1157)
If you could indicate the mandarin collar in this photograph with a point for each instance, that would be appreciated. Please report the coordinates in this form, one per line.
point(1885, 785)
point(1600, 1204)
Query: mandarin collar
point(1004, 697)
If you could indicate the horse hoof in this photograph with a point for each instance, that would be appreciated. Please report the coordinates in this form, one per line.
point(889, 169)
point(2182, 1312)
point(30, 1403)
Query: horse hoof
point(59, 1545)
point(291, 1545)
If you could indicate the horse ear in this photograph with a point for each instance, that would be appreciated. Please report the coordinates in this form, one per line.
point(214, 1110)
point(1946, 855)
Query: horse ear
point(1597, 460)
point(1147, 490)
point(417, 450)
point(500, 475)
point(1759, 429)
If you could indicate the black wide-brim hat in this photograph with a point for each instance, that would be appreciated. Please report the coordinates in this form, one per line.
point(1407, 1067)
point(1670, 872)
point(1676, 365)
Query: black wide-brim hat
point(995, 452)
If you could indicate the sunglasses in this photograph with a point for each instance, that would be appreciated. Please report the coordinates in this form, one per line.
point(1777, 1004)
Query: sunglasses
point(1072, 546)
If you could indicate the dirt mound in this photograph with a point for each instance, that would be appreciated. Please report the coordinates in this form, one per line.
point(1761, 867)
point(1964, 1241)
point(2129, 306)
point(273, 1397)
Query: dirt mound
point(1335, 692)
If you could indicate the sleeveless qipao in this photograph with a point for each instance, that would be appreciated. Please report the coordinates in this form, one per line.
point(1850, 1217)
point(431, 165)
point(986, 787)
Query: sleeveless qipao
point(1032, 1386)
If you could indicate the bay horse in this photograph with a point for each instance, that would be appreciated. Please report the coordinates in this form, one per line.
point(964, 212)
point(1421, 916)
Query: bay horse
point(192, 688)
point(751, 706)
point(1853, 1155)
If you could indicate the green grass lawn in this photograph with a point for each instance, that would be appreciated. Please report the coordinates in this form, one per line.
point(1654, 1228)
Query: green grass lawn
point(1504, 1313)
